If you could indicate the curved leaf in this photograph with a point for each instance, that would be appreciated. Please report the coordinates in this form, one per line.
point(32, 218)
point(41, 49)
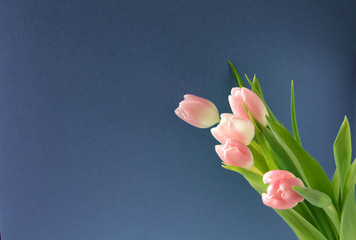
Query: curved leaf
point(236, 75)
point(294, 117)
point(320, 200)
point(350, 180)
point(315, 197)
point(313, 171)
point(253, 178)
point(342, 152)
point(259, 160)
point(284, 160)
point(302, 228)
point(348, 215)
point(335, 184)
point(257, 86)
point(348, 218)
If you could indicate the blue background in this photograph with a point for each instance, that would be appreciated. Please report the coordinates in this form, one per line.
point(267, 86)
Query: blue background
point(90, 147)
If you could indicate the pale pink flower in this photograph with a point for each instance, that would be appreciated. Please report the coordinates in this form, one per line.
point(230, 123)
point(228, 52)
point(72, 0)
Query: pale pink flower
point(280, 194)
point(197, 111)
point(244, 96)
point(234, 127)
point(235, 153)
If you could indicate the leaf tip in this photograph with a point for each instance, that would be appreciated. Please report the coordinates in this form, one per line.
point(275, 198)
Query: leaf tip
point(346, 120)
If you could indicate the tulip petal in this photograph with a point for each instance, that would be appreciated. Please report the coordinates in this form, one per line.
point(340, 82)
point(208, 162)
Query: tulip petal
point(275, 175)
point(197, 111)
point(280, 194)
point(234, 153)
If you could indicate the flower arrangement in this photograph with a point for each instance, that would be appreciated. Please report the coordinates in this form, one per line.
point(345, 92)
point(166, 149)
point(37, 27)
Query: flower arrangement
point(256, 145)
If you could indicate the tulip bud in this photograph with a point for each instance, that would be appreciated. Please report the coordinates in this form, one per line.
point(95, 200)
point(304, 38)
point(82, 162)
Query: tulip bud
point(280, 194)
point(244, 96)
point(234, 127)
point(235, 153)
point(197, 111)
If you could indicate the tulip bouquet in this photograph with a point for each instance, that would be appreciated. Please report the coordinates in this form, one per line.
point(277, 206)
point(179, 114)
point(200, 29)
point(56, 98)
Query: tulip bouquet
point(256, 145)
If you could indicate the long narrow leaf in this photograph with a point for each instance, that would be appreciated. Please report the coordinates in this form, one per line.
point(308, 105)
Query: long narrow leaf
point(320, 200)
point(313, 171)
point(335, 184)
point(236, 75)
point(257, 86)
point(251, 84)
point(284, 160)
point(334, 217)
point(348, 218)
point(259, 159)
point(350, 180)
point(271, 163)
point(325, 226)
point(302, 228)
point(254, 179)
point(342, 152)
point(303, 210)
point(348, 214)
point(294, 117)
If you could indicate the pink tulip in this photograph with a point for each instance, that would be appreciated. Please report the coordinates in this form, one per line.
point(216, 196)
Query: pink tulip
point(234, 127)
point(235, 153)
point(244, 96)
point(280, 194)
point(197, 111)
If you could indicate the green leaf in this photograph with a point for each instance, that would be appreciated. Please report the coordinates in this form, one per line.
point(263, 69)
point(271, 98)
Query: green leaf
point(236, 75)
point(257, 86)
point(266, 151)
point(342, 152)
point(324, 225)
point(253, 178)
point(304, 211)
point(258, 158)
point(315, 174)
point(335, 184)
point(348, 218)
point(271, 163)
point(315, 197)
point(320, 200)
point(334, 217)
point(294, 118)
point(252, 86)
point(284, 160)
point(348, 215)
point(302, 228)
point(350, 180)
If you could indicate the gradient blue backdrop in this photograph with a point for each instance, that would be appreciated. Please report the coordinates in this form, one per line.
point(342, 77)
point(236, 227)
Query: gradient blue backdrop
point(90, 147)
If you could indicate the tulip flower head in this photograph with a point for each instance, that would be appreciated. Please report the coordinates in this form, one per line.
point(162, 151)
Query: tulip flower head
point(280, 194)
point(243, 96)
point(197, 111)
point(233, 127)
point(235, 153)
